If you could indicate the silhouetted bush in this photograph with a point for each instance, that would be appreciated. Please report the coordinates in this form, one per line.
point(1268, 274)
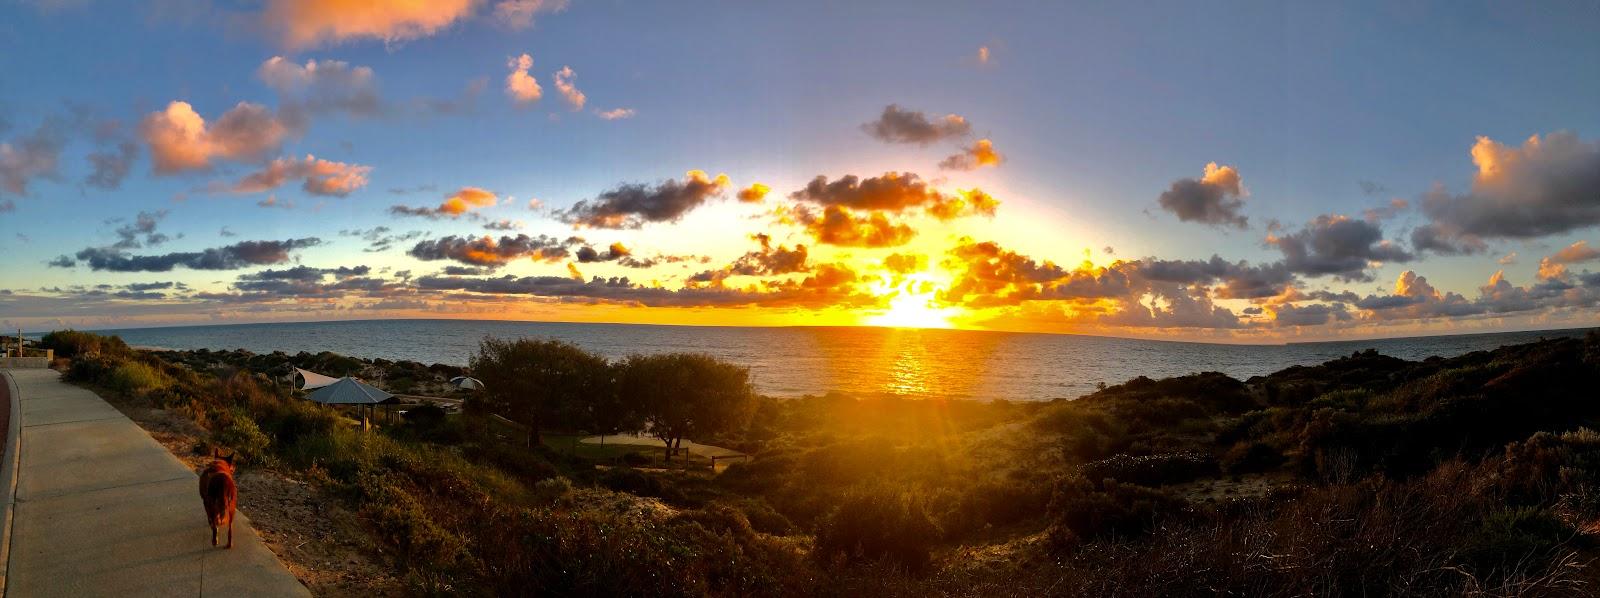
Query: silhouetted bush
point(1152, 470)
point(1250, 457)
point(72, 343)
point(1110, 508)
point(876, 523)
point(1506, 538)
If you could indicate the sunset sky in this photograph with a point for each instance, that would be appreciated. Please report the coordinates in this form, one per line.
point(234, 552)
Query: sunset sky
point(1246, 172)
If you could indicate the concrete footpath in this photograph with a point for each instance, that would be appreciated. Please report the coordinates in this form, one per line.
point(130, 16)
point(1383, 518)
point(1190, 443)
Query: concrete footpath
point(102, 509)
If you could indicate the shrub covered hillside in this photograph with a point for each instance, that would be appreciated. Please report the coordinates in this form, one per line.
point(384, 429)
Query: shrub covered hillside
point(1366, 475)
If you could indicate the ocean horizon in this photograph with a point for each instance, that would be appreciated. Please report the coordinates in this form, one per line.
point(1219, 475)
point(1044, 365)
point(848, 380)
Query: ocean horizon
point(810, 360)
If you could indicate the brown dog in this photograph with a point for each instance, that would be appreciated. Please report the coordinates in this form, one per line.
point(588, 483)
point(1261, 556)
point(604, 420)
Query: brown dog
point(220, 496)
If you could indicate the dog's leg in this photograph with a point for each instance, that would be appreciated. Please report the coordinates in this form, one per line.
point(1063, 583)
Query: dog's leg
point(230, 532)
point(213, 534)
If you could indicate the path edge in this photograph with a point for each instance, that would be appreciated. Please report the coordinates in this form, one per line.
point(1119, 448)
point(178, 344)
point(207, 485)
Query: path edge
point(8, 474)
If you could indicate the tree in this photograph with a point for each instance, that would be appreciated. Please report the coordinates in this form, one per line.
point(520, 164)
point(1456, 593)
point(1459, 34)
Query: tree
point(686, 394)
point(537, 383)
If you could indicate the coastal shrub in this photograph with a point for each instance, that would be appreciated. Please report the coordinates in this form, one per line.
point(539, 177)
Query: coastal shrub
point(1508, 537)
point(1110, 508)
point(637, 459)
point(994, 502)
point(73, 343)
point(1250, 457)
point(763, 518)
point(241, 435)
point(291, 421)
point(878, 524)
point(528, 466)
point(549, 490)
point(133, 377)
point(1152, 470)
point(425, 417)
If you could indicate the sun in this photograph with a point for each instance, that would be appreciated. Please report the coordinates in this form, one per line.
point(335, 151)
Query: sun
point(912, 304)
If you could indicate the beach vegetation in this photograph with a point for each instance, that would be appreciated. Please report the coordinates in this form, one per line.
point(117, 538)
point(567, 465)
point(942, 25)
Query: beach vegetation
point(1365, 475)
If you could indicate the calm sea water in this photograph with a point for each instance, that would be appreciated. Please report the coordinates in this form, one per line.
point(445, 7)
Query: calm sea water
point(807, 360)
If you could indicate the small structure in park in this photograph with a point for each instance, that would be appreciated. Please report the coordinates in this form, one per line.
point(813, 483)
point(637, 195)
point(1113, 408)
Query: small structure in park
point(350, 391)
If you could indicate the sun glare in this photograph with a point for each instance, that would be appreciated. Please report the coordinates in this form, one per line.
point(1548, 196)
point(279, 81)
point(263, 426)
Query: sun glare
point(912, 304)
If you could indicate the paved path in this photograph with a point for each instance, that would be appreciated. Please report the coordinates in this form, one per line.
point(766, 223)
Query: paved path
point(102, 509)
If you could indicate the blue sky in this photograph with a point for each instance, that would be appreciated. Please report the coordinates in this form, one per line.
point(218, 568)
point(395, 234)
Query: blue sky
point(1096, 109)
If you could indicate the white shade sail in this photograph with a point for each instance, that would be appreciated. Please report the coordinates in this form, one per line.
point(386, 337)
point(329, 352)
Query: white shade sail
point(313, 379)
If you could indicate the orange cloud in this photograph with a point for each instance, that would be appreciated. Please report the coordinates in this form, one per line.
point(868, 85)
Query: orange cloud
point(970, 202)
point(615, 114)
point(301, 24)
point(568, 89)
point(838, 225)
point(179, 138)
point(521, 85)
point(321, 177)
point(754, 193)
point(467, 199)
point(462, 201)
point(1555, 265)
point(981, 154)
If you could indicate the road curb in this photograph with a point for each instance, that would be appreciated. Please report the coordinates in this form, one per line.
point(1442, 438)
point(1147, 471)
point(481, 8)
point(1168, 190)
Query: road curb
point(8, 473)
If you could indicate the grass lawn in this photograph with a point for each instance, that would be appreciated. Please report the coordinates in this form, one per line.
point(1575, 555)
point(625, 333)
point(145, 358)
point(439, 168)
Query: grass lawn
point(568, 444)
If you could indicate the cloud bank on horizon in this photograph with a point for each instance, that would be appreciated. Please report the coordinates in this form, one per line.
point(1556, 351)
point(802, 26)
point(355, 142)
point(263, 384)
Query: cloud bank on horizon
point(395, 194)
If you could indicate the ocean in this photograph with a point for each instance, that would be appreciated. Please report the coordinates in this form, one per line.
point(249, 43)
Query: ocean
point(814, 360)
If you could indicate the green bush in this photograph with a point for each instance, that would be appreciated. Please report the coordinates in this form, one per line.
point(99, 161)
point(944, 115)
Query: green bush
point(1512, 536)
point(1152, 470)
point(878, 524)
point(132, 377)
point(72, 343)
point(241, 435)
point(1113, 509)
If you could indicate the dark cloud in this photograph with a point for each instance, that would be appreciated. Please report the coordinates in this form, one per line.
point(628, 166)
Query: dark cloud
point(110, 167)
point(466, 271)
point(897, 125)
point(1430, 238)
point(231, 257)
point(1215, 198)
point(1547, 186)
point(768, 261)
point(1337, 246)
point(31, 156)
point(838, 225)
point(1315, 314)
point(1239, 279)
point(894, 192)
point(307, 273)
point(487, 251)
point(633, 205)
point(380, 238)
point(829, 285)
point(141, 232)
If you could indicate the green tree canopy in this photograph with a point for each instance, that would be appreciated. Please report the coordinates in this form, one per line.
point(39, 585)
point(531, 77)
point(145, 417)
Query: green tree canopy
point(685, 395)
point(540, 383)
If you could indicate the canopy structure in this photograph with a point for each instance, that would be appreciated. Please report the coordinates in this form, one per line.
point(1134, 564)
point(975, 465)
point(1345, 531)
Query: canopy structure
point(313, 379)
point(466, 383)
point(349, 391)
